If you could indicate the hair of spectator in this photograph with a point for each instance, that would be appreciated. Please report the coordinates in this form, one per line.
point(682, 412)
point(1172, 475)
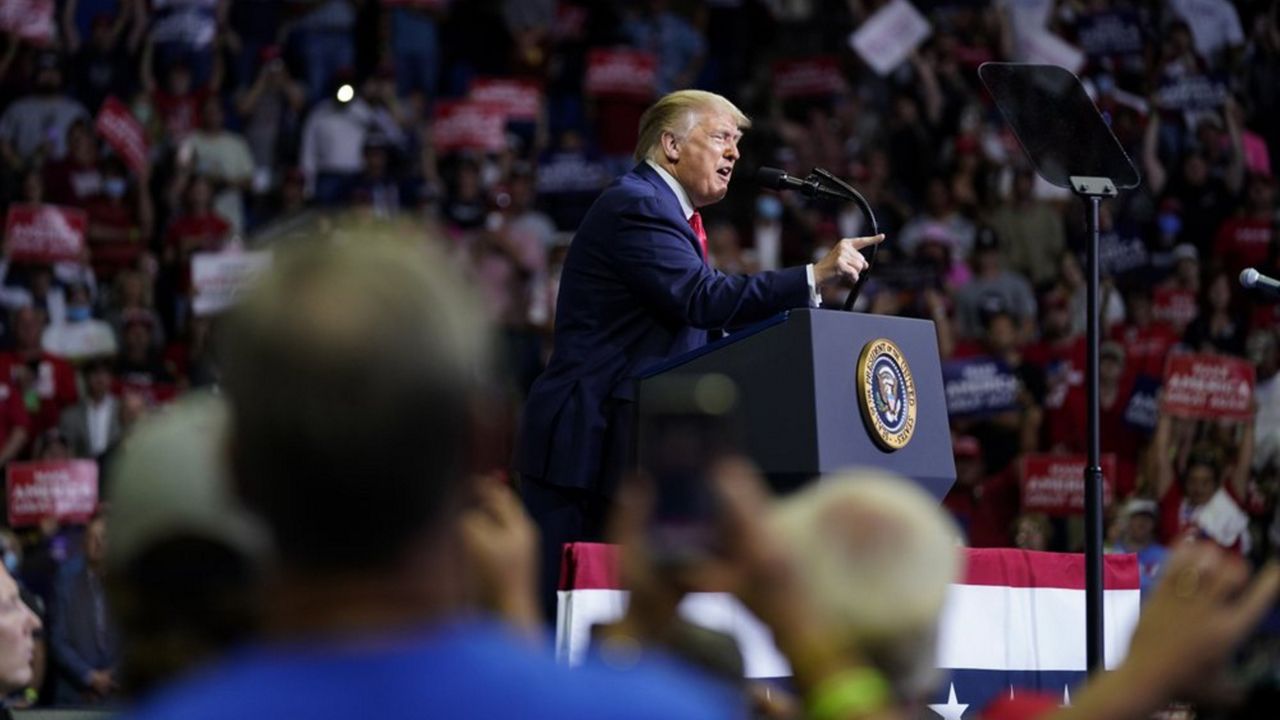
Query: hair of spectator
point(350, 369)
point(676, 113)
point(879, 555)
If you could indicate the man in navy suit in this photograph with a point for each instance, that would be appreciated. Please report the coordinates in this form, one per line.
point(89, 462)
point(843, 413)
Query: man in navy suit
point(635, 290)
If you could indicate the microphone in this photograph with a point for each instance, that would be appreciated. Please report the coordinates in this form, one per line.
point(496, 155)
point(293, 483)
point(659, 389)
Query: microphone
point(1254, 280)
point(811, 186)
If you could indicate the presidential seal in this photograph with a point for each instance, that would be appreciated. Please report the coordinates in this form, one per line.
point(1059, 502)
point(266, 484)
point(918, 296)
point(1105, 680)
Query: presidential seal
point(886, 394)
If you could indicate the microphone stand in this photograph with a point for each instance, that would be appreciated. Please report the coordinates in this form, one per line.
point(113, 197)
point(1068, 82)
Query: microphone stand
point(842, 190)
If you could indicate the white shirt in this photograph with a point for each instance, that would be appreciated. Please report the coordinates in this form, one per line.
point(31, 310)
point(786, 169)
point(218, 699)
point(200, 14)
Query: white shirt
point(99, 419)
point(815, 298)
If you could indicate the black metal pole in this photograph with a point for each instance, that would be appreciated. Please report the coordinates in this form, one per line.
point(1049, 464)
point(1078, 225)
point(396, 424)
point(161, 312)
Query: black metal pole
point(1093, 469)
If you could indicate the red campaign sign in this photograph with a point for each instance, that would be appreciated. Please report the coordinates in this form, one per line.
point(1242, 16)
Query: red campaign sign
point(519, 99)
point(123, 133)
point(1054, 484)
point(65, 489)
point(467, 125)
point(807, 77)
point(1208, 386)
point(45, 233)
point(30, 20)
point(1174, 307)
point(622, 72)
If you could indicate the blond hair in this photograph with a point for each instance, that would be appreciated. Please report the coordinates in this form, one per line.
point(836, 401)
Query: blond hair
point(676, 113)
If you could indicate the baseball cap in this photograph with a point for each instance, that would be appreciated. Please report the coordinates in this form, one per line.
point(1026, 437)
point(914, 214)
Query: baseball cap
point(1141, 505)
point(170, 479)
point(1185, 251)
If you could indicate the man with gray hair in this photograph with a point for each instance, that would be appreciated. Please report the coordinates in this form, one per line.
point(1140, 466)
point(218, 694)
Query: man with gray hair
point(875, 554)
point(638, 288)
point(354, 371)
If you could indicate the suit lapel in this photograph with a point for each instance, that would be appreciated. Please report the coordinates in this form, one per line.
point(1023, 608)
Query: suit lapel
point(670, 203)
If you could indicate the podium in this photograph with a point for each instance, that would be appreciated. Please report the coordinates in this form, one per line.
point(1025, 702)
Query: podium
point(802, 416)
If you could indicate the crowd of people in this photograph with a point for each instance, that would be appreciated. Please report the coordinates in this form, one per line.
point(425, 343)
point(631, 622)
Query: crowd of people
point(261, 116)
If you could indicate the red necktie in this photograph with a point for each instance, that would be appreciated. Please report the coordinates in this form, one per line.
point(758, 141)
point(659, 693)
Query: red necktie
point(695, 222)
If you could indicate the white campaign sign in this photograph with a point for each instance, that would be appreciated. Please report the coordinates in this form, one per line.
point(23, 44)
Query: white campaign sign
point(890, 35)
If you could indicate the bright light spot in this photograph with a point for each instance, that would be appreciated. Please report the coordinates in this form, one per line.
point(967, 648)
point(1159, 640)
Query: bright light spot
point(345, 93)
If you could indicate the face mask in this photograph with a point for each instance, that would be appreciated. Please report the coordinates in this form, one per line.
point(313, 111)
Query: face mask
point(11, 561)
point(1169, 224)
point(78, 313)
point(114, 187)
point(769, 207)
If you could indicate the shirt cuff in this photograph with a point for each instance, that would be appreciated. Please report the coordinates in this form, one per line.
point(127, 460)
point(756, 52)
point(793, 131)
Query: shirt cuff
point(815, 297)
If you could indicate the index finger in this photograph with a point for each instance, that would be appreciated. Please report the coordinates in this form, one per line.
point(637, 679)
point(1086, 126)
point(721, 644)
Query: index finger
point(866, 241)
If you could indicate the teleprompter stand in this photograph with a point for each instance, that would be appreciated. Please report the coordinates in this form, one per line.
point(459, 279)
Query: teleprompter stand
point(1071, 146)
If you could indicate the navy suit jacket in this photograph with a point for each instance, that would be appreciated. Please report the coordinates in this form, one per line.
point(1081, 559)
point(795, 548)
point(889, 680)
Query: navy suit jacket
point(634, 292)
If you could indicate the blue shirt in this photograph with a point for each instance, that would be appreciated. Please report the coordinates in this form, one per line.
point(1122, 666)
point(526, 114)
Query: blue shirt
point(463, 670)
point(1150, 560)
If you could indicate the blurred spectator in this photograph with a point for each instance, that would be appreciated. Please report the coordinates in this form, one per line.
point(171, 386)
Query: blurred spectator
point(18, 626)
point(1198, 495)
point(1220, 327)
point(270, 109)
point(376, 187)
point(75, 179)
point(1032, 531)
point(1140, 519)
point(81, 19)
point(941, 223)
point(1115, 387)
point(1261, 348)
point(131, 296)
point(994, 289)
point(187, 31)
point(222, 157)
point(92, 425)
point(35, 126)
point(984, 505)
point(679, 48)
point(1145, 340)
point(1245, 239)
point(103, 63)
point(333, 141)
point(186, 560)
point(83, 637)
point(1031, 231)
point(415, 46)
point(324, 39)
point(140, 364)
point(1215, 25)
point(82, 335)
point(466, 205)
point(197, 228)
point(45, 381)
point(121, 219)
point(178, 101)
point(876, 556)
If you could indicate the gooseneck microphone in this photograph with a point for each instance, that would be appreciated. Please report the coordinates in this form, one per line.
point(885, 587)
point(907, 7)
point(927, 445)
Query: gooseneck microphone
point(1254, 280)
point(821, 183)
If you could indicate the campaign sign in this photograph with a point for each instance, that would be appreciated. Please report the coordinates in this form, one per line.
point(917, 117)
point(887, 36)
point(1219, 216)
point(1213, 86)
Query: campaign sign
point(1208, 386)
point(1175, 307)
point(218, 279)
point(1191, 93)
point(64, 489)
point(890, 35)
point(123, 133)
point(1043, 47)
point(1054, 484)
point(979, 387)
point(469, 125)
point(807, 77)
point(1142, 411)
point(519, 99)
point(45, 233)
point(621, 72)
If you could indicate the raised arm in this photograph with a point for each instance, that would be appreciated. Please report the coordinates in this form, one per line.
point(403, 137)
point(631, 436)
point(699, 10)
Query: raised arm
point(1156, 176)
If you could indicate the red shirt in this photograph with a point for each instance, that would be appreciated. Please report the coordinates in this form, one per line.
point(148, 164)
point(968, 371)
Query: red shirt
point(986, 512)
point(13, 412)
point(1068, 429)
point(195, 233)
point(53, 388)
point(112, 256)
point(179, 114)
point(67, 182)
point(1175, 516)
point(1145, 349)
point(1243, 242)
